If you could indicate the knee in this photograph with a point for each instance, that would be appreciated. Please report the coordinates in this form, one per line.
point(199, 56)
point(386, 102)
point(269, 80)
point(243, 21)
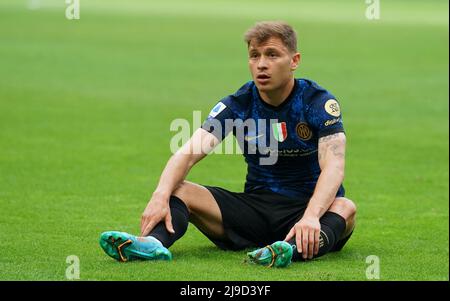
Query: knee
point(344, 207)
point(182, 191)
point(350, 207)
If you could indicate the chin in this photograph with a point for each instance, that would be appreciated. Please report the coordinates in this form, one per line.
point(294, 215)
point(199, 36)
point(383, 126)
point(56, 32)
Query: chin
point(263, 88)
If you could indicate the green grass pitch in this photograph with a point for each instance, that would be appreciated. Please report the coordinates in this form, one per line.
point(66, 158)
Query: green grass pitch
point(85, 109)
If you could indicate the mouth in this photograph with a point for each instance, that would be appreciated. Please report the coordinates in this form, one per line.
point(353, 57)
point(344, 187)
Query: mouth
point(263, 78)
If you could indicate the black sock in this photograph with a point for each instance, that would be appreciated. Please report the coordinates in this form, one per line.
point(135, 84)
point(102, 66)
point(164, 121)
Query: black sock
point(332, 225)
point(341, 243)
point(180, 221)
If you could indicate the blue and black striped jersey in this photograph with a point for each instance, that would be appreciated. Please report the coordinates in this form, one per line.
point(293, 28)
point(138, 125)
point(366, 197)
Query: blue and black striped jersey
point(310, 112)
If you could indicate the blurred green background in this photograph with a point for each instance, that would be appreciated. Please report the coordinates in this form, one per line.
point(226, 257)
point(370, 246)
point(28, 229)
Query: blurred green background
point(86, 105)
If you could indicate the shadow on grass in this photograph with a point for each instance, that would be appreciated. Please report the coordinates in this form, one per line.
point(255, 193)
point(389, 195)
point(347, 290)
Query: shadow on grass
point(206, 252)
point(211, 251)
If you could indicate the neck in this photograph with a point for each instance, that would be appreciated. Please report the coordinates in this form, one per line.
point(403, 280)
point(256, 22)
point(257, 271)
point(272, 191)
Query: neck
point(278, 96)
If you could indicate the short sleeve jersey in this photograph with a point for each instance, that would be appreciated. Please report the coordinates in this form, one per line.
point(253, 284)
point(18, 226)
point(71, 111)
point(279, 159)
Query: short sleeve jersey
point(309, 113)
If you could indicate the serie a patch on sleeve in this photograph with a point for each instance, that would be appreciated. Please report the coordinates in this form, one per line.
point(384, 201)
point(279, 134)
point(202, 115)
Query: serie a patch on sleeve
point(217, 109)
point(332, 108)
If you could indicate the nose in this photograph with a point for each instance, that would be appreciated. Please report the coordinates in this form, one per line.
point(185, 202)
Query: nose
point(262, 63)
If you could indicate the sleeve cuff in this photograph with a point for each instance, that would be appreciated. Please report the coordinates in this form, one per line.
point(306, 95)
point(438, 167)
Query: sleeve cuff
point(330, 131)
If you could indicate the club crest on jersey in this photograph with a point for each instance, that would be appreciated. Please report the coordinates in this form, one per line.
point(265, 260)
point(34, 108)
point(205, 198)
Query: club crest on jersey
point(332, 108)
point(217, 109)
point(279, 131)
point(303, 131)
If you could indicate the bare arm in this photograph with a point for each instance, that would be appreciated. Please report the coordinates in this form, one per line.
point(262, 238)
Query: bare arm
point(199, 145)
point(182, 161)
point(332, 163)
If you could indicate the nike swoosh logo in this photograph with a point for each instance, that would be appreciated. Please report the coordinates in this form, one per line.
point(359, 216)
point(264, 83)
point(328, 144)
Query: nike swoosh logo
point(247, 138)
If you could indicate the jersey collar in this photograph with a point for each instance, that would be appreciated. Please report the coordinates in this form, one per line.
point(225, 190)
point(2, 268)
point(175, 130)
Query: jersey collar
point(284, 103)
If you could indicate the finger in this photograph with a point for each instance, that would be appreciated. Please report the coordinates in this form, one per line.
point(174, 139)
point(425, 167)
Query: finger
point(142, 223)
point(290, 234)
point(168, 222)
point(316, 242)
point(311, 244)
point(298, 240)
point(305, 243)
point(148, 228)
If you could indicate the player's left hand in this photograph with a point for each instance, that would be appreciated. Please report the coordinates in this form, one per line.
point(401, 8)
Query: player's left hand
point(307, 234)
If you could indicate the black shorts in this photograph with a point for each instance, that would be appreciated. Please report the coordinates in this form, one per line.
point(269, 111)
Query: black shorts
point(256, 219)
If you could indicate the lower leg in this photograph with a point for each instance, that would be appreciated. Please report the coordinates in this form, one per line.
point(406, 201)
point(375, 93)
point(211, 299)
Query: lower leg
point(332, 226)
point(337, 224)
point(193, 203)
point(347, 209)
point(281, 253)
point(180, 221)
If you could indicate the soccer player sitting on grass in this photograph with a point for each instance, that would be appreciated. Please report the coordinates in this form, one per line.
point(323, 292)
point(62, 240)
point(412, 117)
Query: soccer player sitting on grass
point(292, 208)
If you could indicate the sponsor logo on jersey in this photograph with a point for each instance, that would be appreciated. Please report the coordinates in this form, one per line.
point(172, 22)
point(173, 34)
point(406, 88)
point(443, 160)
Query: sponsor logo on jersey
point(293, 152)
point(332, 121)
point(217, 109)
point(279, 131)
point(332, 108)
point(303, 131)
point(251, 138)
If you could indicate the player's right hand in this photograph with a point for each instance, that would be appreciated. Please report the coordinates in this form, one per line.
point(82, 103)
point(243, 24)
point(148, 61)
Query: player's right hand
point(156, 211)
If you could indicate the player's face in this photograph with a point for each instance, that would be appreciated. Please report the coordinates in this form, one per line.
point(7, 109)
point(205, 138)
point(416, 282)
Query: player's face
point(271, 64)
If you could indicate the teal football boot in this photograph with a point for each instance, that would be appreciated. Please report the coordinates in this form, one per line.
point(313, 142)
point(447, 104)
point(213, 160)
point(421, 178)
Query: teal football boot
point(126, 247)
point(278, 254)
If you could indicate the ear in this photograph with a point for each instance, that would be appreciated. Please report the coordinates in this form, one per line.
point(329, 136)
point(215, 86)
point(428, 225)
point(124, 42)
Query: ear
point(295, 61)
